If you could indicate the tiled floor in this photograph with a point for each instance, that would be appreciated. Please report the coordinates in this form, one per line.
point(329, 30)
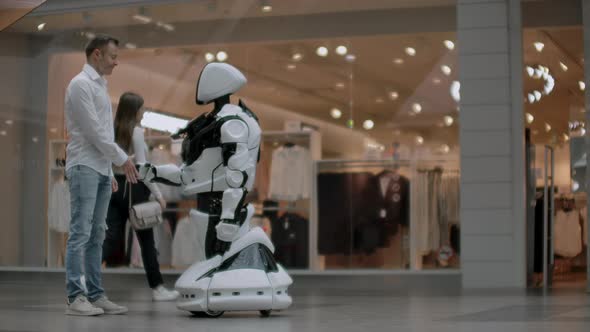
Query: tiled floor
point(35, 302)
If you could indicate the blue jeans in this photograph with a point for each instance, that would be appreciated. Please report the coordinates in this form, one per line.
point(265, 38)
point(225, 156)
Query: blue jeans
point(90, 193)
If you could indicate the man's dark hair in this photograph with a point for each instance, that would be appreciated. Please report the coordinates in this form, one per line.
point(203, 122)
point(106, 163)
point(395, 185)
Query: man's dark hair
point(99, 42)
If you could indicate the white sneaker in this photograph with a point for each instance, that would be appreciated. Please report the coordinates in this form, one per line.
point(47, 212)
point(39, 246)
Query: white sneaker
point(81, 307)
point(160, 293)
point(109, 307)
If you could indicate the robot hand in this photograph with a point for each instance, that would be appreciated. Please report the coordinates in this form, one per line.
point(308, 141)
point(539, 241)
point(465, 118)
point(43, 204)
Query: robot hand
point(146, 172)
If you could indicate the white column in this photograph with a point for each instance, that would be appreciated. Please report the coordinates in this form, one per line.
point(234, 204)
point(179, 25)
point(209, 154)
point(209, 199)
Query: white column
point(492, 144)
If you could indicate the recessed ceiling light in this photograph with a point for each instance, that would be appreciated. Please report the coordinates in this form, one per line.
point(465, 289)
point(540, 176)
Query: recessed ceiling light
point(529, 118)
point(209, 57)
point(419, 140)
point(165, 26)
point(456, 91)
point(9, 122)
point(350, 57)
point(547, 127)
point(322, 51)
point(35, 139)
point(398, 61)
point(530, 70)
point(130, 46)
point(531, 98)
point(410, 51)
point(142, 18)
point(446, 70)
point(340, 85)
point(448, 120)
point(221, 56)
point(537, 94)
point(291, 66)
point(563, 66)
point(368, 124)
point(336, 113)
point(41, 26)
point(436, 80)
point(566, 137)
point(416, 108)
point(341, 50)
point(90, 35)
point(582, 85)
point(266, 9)
point(539, 46)
point(2, 132)
point(53, 130)
point(445, 148)
point(297, 57)
point(449, 44)
point(393, 95)
point(379, 100)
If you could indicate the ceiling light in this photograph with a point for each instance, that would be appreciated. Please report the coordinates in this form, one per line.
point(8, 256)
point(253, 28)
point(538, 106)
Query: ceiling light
point(130, 46)
point(53, 130)
point(582, 85)
point(398, 61)
point(419, 140)
point(539, 46)
point(90, 35)
point(35, 139)
point(448, 120)
point(368, 124)
point(142, 18)
point(446, 70)
point(162, 122)
point(9, 122)
point(336, 113)
point(322, 51)
point(436, 80)
point(209, 57)
point(410, 51)
point(340, 85)
point(445, 148)
point(582, 132)
point(537, 94)
point(531, 98)
point(379, 100)
point(297, 57)
point(530, 70)
point(341, 50)
point(291, 66)
point(3, 133)
point(221, 56)
point(266, 9)
point(529, 118)
point(41, 26)
point(350, 57)
point(449, 44)
point(416, 108)
point(456, 91)
point(165, 26)
point(566, 137)
point(547, 127)
point(393, 95)
point(563, 66)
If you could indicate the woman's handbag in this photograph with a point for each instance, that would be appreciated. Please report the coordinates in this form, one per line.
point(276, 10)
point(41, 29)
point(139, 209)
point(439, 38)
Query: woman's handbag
point(144, 215)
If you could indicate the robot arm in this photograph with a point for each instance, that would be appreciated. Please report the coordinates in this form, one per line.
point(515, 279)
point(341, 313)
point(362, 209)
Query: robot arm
point(234, 144)
point(167, 174)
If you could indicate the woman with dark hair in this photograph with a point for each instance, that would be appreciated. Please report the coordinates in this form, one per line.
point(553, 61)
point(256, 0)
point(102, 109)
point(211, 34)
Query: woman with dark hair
point(129, 136)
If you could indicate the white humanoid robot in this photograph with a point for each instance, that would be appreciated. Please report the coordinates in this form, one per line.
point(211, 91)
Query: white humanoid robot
point(220, 151)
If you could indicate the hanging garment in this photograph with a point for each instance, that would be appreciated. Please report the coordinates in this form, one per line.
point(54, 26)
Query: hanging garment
point(567, 234)
point(188, 245)
point(58, 213)
point(290, 237)
point(290, 173)
point(584, 215)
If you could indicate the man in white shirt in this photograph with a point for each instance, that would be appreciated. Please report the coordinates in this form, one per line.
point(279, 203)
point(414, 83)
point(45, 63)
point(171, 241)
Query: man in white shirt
point(91, 151)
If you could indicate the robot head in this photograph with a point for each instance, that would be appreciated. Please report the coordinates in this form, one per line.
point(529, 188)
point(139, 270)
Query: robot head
point(217, 80)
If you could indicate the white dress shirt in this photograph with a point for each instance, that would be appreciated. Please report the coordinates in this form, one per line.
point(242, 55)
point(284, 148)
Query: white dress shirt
point(89, 120)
